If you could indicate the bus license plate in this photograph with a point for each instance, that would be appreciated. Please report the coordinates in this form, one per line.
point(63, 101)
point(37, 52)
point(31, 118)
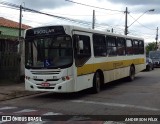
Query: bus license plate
point(45, 84)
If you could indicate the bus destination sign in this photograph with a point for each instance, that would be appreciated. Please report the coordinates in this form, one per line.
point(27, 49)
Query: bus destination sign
point(50, 30)
point(43, 31)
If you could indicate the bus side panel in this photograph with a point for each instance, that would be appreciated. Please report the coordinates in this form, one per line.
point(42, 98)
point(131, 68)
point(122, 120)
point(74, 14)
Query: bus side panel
point(116, 74)
point(139, 68)
point(84, 82)
point(85, 76)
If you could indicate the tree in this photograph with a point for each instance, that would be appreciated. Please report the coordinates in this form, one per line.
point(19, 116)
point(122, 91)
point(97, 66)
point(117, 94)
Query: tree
point(150, 47)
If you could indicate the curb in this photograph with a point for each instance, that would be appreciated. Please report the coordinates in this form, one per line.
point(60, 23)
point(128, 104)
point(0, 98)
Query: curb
point(17, 94)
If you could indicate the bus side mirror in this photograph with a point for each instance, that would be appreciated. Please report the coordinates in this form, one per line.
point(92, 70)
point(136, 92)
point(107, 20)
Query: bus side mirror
point(80, 45)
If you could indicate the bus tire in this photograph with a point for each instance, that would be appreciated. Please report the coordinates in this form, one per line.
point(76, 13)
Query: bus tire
point(96, 83)
point(131, 74)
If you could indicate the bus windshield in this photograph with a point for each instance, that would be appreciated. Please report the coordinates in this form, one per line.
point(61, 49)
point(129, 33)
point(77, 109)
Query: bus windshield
point(154, 54)
point(48, 52)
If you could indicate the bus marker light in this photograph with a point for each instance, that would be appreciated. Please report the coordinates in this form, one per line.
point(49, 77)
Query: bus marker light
point(67, 77)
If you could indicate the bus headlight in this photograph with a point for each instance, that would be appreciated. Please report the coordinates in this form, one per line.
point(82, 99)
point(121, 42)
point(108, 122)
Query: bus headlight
point(27, 77)
point(65, 78)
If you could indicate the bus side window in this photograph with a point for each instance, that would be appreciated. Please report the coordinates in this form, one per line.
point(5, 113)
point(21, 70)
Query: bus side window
point(121, 43)
point(82, 49)
point(99, 45)
point(141, 47)
point(111, 46)
point(129, 47)
point(135, 47)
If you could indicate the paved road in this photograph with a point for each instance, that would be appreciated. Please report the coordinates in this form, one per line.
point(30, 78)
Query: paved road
point(140, 97)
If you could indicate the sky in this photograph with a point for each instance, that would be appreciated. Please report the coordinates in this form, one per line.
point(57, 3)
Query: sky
point(112, 16)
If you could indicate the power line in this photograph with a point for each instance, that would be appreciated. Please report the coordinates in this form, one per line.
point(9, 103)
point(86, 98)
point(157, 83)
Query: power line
point(35, 11)
point(9, 7)
point(9, 4)
point(108, 13)
point(93, 6)
point(71, 14)
point(62, 18)
point(58, 17)
point(55, 16)
point(140, 23)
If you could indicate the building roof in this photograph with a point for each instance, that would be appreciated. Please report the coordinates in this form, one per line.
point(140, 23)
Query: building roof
point(11, 24)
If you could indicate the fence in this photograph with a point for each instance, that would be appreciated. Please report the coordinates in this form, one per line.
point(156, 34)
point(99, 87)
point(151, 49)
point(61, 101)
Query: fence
point(9, 65)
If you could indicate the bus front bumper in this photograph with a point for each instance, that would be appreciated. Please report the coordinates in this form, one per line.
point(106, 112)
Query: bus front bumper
point(62, 87)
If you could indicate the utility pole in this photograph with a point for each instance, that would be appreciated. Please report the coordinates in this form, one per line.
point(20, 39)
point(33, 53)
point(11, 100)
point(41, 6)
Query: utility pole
point(112, 30)
point(126, 27)
point(156, 39)
point(20, 22)
point(20, 48)
point(93, 21)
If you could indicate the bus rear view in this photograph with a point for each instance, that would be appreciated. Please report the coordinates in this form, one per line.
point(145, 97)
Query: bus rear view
point(48, 60)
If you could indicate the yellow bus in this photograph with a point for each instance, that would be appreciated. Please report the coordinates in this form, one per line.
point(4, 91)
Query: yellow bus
point(64, 58)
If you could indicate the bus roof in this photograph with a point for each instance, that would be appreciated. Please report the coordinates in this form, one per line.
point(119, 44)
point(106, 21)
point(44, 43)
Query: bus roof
point(102, 32)
point(77, 28)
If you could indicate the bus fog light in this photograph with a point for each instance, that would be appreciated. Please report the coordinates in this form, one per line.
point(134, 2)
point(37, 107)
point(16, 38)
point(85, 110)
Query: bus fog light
point(32, 86)
point(60, 87)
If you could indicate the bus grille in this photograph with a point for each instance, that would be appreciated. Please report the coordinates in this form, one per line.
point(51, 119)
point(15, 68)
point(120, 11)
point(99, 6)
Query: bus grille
point(46, 80)
point(45, 72)
point(45, 87)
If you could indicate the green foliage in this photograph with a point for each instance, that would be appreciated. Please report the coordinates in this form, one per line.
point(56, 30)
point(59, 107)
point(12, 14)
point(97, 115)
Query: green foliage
point(150, 47)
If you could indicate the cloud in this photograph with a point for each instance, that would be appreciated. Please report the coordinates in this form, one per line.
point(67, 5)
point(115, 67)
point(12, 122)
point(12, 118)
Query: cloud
point(139, 6)
point(136, 2)
point(41, 4)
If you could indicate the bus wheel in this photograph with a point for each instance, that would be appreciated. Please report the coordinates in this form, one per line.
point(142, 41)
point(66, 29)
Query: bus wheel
point(149, 68)
point(132, 74)
point(96, 83)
